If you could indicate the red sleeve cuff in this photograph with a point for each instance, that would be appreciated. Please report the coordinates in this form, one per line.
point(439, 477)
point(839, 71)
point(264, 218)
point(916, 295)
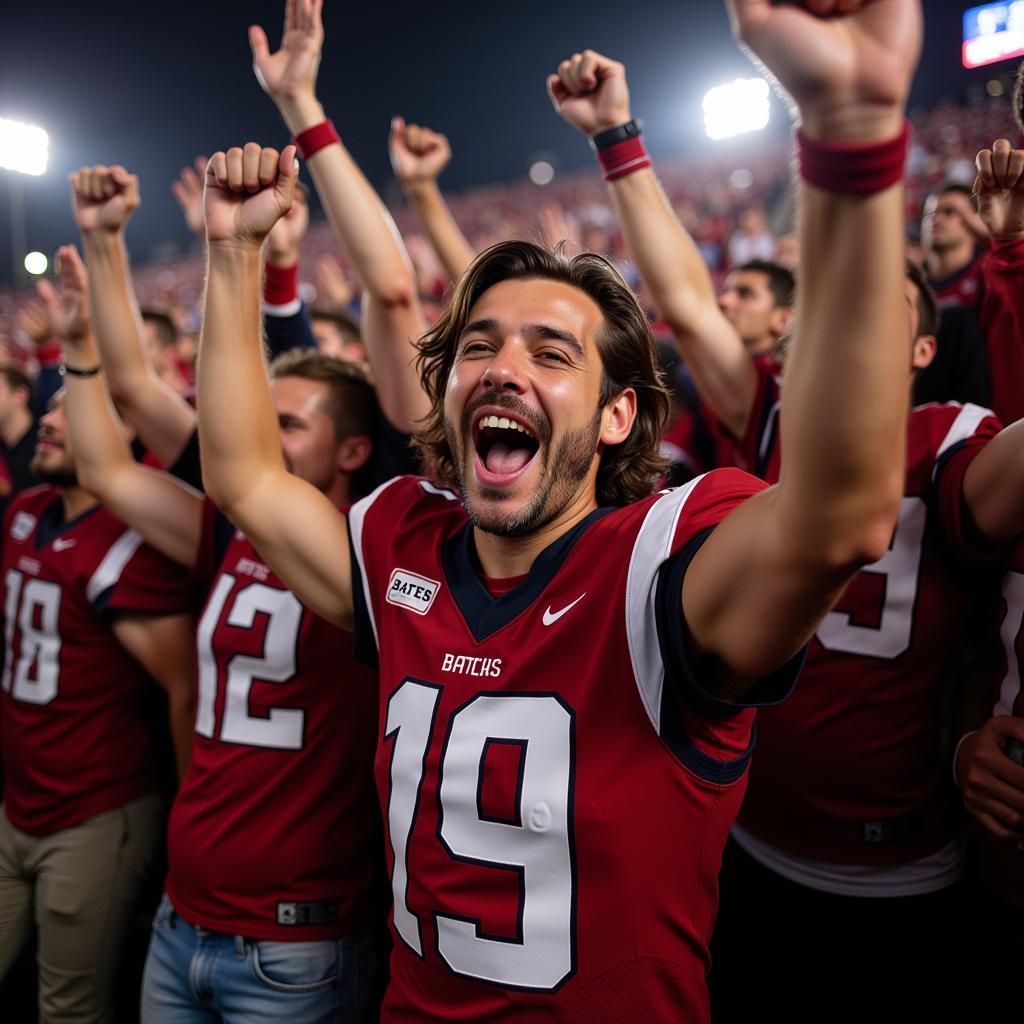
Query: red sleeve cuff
point(1008, 254)
point(50, 354)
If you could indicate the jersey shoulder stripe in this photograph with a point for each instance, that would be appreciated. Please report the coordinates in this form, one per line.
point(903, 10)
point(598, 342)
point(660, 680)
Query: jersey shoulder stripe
point(109, 571)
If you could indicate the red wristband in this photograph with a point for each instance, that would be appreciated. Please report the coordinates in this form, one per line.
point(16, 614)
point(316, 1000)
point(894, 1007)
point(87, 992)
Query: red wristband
point(312, 140)
point(623, 158)
point(280, 284)
point(857, 168)
point(50, 354)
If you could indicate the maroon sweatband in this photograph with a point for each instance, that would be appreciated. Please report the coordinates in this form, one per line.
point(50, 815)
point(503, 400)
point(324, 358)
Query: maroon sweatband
point(280, 284)
point(853, 168)
point(312, 140)
point(623, 158)
point(50, 354)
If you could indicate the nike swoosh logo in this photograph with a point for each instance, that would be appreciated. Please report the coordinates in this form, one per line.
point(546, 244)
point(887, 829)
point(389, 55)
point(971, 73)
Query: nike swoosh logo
point(549, 617)
point(60, 545)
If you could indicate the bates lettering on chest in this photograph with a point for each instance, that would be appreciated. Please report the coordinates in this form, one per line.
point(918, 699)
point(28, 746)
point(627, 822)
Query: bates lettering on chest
point(257, 570)
point(468, 665)
point(412, 591)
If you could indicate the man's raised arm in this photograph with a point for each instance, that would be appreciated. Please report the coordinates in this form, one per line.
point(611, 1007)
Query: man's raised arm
point(392, 318)
point(296, 529)
point(757, 588)
point(418, 156)
point(591, 94)
point(103, 198)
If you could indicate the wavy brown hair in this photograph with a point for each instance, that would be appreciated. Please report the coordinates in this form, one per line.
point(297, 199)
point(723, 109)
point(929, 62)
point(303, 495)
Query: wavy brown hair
point(627, 471)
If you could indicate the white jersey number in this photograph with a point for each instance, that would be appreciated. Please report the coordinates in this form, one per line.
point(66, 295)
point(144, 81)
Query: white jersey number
point(283, 728)
point(33, 607)
point(1009, 687)
point(899, 568)
point(537, 845)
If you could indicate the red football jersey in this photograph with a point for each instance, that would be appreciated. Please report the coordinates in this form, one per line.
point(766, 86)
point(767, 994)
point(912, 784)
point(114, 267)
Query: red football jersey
point(1002, 321)
point(1010, 693)
point(758, 451)
point(275, 833)
point(963, 288)
point(73, 737)
point(850, 770)
point(556, 785)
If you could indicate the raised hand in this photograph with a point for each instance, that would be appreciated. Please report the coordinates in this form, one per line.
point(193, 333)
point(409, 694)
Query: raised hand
point(188, 190)
point(289, 74)
point(991, 783)
point(590, 92)
point(847, 63)
point(331, 282)
point(103, 198)
point(247, 191)
point(999, 187)
point(556, 227)
point(417, 153)
point(68, 312)
point(285, 239)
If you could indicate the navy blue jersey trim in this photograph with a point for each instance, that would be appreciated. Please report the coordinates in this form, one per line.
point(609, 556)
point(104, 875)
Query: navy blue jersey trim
point(187, 467)
point(682, 687)
point(223, 534)
point(364, 647)
point(484, 614)
point(52, 522)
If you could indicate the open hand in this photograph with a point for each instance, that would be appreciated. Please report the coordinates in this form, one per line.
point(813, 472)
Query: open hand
point(188, 190)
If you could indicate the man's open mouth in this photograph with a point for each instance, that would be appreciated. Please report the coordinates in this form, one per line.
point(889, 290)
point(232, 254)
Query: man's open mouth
point(504, 447)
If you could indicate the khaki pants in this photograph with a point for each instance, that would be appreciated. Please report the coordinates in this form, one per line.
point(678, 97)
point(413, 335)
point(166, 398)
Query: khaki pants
point(81, 885)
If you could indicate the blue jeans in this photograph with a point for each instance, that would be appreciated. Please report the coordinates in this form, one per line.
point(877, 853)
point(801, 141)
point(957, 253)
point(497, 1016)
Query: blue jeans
point(195, 976)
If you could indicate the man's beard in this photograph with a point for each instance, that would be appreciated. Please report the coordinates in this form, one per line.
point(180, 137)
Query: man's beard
point(59, 476)
point(562, 471)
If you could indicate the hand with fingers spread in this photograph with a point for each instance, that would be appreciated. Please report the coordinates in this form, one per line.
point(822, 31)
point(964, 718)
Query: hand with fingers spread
point(34, 321)
point(590, 92)
point(247, 191)
point(188, 190)
point(848, 64)
point(103, 198)
point(68, 310)
point(417, 153)
point(331, 282)
point(991, 783)
point(556, 227)
point(289, 74)
point(999, 187)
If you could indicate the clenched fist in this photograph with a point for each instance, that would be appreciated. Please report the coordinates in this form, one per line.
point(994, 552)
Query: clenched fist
point(847, 63)
point(103, 198)
point(999, 187)
point(247, 191)
point(417, 154)
point(589, 91)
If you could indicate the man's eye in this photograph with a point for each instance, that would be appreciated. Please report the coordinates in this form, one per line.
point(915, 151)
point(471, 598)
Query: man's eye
point(552, 356)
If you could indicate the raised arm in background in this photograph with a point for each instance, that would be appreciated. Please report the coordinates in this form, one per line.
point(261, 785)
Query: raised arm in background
point(756, 589)
point(418, 156)
point(247, 191)
point(392, 319)
point(162, 644)
point(103, 198)
point(669, 263)
point(165, 511)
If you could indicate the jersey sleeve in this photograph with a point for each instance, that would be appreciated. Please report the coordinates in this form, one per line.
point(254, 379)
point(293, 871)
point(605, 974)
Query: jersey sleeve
point(1002, 322)
point(972, 429)
point(134, 577)
point(217, 531)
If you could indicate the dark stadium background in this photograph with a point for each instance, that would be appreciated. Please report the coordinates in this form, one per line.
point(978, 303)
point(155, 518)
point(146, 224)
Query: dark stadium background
point(150, 85)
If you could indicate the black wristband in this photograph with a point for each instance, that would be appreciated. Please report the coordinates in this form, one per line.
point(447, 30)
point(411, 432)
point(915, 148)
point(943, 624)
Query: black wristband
point(80, 371)
point(621, 132)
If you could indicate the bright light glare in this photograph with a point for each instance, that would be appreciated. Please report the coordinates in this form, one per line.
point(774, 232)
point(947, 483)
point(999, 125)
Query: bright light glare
point(23, 147)
point(542, 173)
point(737, 107)
point(36, 263)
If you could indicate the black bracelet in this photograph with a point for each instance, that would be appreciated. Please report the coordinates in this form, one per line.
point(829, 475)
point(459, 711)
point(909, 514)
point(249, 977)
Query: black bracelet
point(629, 130)
point(80, 371)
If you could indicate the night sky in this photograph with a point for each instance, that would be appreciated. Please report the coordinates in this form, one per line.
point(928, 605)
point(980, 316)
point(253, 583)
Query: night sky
point(151, 85)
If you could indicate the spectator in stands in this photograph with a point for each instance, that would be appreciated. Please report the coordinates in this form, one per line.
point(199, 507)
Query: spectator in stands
point(954, 239)
point(337, 334)
point(17, 428)
point(751, 240)
point(161, 340)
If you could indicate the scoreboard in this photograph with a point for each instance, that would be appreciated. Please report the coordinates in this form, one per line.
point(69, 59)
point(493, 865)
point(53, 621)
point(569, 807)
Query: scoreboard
point(993, 32)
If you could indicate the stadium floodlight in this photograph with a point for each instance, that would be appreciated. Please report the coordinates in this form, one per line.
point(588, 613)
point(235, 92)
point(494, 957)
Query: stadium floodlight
point(36, 263)
point(23, 147)
point(542, 173)
point(736, 108)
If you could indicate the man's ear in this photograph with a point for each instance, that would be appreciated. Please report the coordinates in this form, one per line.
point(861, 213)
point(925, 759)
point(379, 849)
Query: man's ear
point(923, 351)
point(353, 453)
point(617, 417)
